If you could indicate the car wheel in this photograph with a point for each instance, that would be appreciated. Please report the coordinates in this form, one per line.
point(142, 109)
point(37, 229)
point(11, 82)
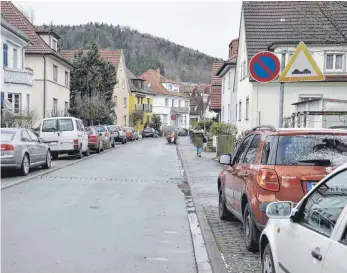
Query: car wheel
point(250, 231)
point(55, 156)
point(48, 162)
point(113, 144)
point(267, 263)
point(79, 153)
point(87, 153)
point(224, 214)
point(25, 167)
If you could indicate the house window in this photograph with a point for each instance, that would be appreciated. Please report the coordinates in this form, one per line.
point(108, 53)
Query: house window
point(54, 44)
point(55, 105)
point(247, 108)
point(229, 80)
point(66, 107)
point(173, 103)
point(170, 87)
point(148, 101)
point(123, 83)
point(166, 102)
point(334, 61)
point(186, 104)
point(125, 102)
point(115, 100)
point(55, 73)
point(15, 100)
point(15, 58)
point(124, 120)
point(28, 104)
point(5, 53)
point(165, 118)
point(66, 78)
point(240, 110)
point(179, 103)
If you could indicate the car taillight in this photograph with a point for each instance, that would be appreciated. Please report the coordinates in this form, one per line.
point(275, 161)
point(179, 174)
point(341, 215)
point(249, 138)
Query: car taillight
point(75, 141)
point(106, 133)
point(92, 137)
point(7, 147)
point(268, 179)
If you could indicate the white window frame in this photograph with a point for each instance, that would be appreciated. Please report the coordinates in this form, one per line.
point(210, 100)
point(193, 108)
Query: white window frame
point(15, 57)
point(125, 102)
point(15, 110)
point(123, 83)
point(343, 68)
point(55, 48)
point(66, 79)
point(166, 102)
point(55, 69)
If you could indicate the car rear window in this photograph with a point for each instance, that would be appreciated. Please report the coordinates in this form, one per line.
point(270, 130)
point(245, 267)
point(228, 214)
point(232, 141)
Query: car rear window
point(114, 128)
point(49, 125)
point(65, 124)
point(100, 128)
point(303, 149)
point(90, 131)
point(148, 130)
point(7, 135)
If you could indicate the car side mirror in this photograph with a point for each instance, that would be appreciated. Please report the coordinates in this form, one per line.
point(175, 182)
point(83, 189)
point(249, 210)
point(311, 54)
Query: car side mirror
point(40, 139)
point(280, 210)
point(225, 159)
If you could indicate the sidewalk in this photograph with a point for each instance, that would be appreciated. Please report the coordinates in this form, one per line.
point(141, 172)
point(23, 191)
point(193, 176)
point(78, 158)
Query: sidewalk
point(202, 174)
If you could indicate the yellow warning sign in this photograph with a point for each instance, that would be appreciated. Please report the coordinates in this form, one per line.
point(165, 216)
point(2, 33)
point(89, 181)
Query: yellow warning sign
point(301, 67)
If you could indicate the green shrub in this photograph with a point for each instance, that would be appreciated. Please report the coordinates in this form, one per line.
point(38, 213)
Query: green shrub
point(208, 124)
point(223, 129)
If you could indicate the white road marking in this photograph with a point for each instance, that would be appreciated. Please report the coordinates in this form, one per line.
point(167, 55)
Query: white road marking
point(157, 259)
point(164, 242)
point(170, 232)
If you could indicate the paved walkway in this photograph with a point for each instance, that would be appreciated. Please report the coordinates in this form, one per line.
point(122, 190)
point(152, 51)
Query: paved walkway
point(202, 176)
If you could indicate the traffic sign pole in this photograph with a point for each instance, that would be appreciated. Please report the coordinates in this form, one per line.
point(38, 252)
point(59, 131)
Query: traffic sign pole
point(283, 64)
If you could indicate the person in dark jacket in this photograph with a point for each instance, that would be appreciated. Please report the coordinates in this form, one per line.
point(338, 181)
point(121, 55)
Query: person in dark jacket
point(198, 141)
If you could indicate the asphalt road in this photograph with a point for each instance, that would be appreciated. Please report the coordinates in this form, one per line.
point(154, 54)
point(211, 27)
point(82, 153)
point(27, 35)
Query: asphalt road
point(121, 211)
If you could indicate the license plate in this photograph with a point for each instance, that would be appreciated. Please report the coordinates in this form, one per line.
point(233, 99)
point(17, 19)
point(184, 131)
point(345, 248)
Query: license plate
point(311, 185)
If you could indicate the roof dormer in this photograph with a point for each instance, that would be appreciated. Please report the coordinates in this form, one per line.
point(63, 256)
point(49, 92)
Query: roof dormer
point(51, 39)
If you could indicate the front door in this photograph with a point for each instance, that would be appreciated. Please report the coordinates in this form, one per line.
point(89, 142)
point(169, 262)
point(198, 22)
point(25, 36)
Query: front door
point(41, 148)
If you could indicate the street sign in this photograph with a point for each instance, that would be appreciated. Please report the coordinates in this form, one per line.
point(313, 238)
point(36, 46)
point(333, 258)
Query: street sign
point(173, 117)
point(301, 67)
point(264, 66)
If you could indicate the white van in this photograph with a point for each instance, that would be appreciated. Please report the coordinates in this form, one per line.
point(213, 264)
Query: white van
point(65, 135)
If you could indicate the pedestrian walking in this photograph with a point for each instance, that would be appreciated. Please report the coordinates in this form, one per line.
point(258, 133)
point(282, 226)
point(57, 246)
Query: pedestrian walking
point(198, 140)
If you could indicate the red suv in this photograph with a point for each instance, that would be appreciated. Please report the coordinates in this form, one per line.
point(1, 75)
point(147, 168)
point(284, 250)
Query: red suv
point(272, 164)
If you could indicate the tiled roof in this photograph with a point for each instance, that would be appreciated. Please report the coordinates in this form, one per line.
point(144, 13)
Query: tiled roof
point(134, 88)
point(13, 29)
point(153, 78)
point(216, 88)
point(18, 20)
point(267, 22)
point(112, 55)
point(231, 61)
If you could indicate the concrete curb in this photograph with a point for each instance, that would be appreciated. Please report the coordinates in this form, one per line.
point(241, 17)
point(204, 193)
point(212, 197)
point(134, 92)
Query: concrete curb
point(216, 261)
point(25, 179)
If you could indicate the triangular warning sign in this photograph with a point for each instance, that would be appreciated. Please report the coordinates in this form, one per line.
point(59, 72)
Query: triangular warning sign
point(301, 67)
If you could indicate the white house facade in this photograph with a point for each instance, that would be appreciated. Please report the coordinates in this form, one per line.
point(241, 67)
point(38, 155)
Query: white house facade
point(258, 103)
point(16, 80)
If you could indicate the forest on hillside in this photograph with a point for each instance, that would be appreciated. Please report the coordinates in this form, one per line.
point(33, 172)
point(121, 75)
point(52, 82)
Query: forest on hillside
point(142, 51)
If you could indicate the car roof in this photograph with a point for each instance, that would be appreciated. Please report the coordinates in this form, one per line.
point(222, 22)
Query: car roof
point(290, 131)
point(13, 129)
point(60, 118)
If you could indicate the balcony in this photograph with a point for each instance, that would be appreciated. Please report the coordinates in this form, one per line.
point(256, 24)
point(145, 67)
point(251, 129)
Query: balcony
point(180, 110)
point(19, 76)
point(143, 108)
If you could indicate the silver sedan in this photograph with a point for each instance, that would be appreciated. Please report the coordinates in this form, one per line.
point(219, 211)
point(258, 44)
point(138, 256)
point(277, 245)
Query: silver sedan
point(21, 149)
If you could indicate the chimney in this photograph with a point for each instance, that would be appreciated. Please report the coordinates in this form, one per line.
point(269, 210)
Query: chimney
point(233, 47)
point(158, 72)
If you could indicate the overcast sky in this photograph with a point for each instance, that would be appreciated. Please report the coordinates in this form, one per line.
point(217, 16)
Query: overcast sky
point(206, 26)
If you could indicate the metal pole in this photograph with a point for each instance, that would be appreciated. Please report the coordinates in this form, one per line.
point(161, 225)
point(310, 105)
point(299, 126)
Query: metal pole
point(283, 64)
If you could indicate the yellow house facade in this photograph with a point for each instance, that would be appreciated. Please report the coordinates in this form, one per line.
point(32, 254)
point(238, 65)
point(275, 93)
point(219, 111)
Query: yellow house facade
point(140, 103)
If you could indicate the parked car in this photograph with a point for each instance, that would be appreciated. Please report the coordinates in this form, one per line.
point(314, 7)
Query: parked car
point(312, 236)
point(65, 135)
point(129, 132)
point(275, 164)
point(149, 132)
point(182, 132)
point(105, 134)
point(118, 133)
point(21, 149)
point(95, 140)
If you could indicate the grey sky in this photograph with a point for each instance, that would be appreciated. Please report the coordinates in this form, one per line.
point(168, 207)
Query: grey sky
point(206, 26)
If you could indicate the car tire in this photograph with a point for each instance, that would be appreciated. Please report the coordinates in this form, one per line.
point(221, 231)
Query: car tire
point(48, 162)
point(87, 153)
point(113, 144)
point(55, 156)
point(79, 153)
point(224, 214)
point(25, 167)
point(250, 231)
point(267, 262)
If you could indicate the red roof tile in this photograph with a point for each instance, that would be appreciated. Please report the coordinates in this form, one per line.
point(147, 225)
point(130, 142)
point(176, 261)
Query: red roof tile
point(153, 77)
point(18, 20)
point(112, 55)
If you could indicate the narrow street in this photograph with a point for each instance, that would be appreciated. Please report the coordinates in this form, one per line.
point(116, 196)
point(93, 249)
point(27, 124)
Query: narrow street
point(122, 211)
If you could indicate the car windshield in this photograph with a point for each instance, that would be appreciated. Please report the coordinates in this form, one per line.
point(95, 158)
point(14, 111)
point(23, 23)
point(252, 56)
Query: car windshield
point(90, 131)
point(7, 135)
point(148, 130)
point(100, 129)
point(308, 149)
point(49, 125)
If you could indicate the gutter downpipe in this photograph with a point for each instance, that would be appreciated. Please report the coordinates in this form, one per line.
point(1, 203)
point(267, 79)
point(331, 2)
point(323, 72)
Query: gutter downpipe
point(44, 85)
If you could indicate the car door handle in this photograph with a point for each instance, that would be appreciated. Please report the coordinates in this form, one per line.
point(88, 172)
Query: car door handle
point(316, 254)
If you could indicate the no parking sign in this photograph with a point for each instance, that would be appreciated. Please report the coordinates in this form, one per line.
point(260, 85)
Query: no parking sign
point(264, 66)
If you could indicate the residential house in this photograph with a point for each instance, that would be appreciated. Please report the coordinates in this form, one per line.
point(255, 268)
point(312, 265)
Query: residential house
point(16, 79)
point(51, 92)
point(216, 90)
point(169, 103)
point(265, 27)
point(227, 73)
point(200, 97)
point(140, 101)
point(121, 93)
